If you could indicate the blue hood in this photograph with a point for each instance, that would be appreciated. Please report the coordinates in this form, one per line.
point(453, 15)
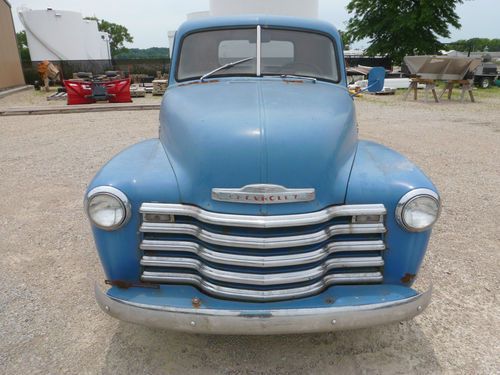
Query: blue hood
point(232, 133)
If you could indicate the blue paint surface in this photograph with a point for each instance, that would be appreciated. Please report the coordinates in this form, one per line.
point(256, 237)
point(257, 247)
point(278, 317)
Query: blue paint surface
point(236, 132)
point(381, 175)
point(231, 132)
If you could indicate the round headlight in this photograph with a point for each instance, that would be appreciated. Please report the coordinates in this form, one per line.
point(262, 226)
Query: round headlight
point(107, 207)
point(418, 210)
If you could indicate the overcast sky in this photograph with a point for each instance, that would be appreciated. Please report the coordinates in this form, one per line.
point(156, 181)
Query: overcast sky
point(148, 21)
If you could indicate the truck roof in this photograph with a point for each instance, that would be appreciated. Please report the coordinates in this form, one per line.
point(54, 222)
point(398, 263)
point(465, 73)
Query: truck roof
point(254, 20)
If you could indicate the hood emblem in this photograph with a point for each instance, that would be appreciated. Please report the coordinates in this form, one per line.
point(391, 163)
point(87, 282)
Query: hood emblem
point(263, 194)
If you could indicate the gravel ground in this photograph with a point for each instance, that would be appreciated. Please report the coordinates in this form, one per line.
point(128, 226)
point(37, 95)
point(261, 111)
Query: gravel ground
point(50, 323)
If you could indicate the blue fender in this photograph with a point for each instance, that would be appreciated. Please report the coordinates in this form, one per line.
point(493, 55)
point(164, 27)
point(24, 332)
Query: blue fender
point(381, 175)
point(143, 173)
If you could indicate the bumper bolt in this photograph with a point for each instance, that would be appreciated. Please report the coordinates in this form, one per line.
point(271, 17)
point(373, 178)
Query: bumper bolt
point(419, 308)
point(106, 308)
point(196, 302)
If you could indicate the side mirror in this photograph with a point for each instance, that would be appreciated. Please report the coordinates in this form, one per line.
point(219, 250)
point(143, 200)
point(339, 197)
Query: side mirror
point(376, 79)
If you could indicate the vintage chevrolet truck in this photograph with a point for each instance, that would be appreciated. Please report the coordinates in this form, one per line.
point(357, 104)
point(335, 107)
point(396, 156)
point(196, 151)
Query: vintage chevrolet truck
point(258, 210)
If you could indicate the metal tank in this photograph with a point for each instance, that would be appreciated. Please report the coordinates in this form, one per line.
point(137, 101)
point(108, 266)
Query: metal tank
point(297, 8)
point(64, 36)
point(221, 8)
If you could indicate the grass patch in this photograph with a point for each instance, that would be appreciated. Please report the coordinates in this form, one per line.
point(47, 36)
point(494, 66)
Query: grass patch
point(492, 92)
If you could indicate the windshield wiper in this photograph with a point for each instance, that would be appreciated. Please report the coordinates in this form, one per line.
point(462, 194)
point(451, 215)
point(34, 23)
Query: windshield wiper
point(293, 76)
point(225, 66)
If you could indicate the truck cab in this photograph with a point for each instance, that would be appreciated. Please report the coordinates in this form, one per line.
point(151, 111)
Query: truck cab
point(257, 210)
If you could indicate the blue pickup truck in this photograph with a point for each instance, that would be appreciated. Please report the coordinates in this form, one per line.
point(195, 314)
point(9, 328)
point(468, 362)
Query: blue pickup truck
point(258, 210)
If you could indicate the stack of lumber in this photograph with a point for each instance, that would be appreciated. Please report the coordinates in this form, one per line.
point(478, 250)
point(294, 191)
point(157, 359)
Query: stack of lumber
point(137, 91)
point(159, 86)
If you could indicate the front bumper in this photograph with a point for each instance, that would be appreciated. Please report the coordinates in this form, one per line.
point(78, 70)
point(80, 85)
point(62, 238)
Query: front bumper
point(261, 321)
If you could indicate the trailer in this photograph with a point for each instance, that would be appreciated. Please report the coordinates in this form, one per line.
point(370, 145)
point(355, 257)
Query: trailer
point(486, 74)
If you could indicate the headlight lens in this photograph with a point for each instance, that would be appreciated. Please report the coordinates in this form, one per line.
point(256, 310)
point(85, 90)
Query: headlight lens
point(418, 210)
point(107, 207)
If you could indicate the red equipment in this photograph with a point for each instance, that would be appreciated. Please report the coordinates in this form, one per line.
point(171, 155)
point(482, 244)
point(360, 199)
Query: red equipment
point(87, 92)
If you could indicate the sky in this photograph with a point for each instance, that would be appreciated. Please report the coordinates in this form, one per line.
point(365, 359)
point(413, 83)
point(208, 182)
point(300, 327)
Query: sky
point(148, 21)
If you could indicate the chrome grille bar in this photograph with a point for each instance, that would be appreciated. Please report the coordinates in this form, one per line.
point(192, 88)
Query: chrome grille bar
point(262, 242)
point(248, 274)
point(262, 295)
point(262, 279)
point(262, 261)
point(278, 221)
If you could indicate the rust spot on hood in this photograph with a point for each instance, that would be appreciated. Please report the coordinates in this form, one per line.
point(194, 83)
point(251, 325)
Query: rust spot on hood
point(198, 83)
point(296, 81)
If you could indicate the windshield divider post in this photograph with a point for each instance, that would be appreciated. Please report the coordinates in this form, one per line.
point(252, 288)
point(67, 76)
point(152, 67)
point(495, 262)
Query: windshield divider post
point(259, 39)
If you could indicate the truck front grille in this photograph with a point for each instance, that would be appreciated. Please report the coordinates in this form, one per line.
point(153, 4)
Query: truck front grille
point(262, 258)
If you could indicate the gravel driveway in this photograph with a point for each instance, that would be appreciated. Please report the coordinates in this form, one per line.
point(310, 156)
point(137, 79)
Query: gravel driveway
point(50, 323)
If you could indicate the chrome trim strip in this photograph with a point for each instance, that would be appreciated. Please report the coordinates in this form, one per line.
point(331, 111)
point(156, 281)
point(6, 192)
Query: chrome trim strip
point(255, 278)
point(259, 50)
point(263, 194)
point(276, 221)
point(262, 295)
point(262, 242)
point(265, 321)
point(262, 261)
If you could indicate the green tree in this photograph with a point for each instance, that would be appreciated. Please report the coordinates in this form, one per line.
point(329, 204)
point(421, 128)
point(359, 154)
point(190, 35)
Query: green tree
point(402, 27)
point(119, 34)
point(22, 46)
point(146, 53)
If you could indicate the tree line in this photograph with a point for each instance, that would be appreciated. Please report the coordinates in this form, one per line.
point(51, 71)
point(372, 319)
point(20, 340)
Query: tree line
point(475, 45)
point(143, 53)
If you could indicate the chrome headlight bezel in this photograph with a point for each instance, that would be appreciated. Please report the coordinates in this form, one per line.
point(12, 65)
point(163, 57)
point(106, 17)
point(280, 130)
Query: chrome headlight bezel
point(114, 193)
point(410, 197)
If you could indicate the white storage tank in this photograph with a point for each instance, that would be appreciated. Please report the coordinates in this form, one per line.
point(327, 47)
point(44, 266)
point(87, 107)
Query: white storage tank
point(221, 8)
point(92, 40)
point(296, 8)
point(62, 35)
point(198, 15)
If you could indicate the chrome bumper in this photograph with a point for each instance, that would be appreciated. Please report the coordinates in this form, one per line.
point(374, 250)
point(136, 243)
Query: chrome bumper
point(263, 322)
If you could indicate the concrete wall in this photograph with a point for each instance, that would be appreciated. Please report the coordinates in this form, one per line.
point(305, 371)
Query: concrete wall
point(11, 73)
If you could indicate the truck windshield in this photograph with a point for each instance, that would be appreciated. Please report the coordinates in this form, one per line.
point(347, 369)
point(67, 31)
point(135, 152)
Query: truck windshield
point(282, 52)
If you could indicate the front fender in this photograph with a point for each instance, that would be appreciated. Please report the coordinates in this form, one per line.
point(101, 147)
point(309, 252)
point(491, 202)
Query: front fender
point(381, 175)
point(144, 174)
